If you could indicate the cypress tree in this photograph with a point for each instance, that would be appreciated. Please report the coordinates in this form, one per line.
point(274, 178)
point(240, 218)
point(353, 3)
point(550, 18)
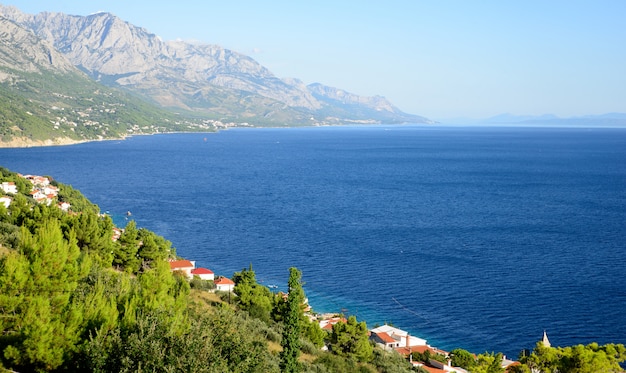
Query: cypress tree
point(292, 318)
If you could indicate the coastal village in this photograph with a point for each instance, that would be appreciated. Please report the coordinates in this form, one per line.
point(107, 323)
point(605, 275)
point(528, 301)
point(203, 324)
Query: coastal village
point(386, 337)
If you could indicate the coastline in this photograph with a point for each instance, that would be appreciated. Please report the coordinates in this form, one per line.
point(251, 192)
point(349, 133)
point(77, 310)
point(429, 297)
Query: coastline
point(23, 142)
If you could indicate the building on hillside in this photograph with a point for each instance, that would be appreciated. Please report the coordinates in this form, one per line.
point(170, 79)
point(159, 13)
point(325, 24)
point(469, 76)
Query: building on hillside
point(65, 206)
point(8, 187)
point(203, 273)
point(117, 233)
point(38, 181)
point(185, 266)
point(407, 350)
point(446, 367)
point(389, 338)
point(6, 201)
point(327, 324)
point(224, 284)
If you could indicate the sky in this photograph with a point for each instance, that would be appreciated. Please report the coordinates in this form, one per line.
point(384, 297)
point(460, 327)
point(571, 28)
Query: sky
point(436, 58)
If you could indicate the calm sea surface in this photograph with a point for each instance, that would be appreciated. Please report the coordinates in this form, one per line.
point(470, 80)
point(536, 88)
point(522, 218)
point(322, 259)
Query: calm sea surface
point(478, 238)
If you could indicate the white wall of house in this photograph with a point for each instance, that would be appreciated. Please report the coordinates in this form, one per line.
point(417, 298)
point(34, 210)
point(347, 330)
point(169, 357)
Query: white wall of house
point(6, 201)
point(8, 187)
point(225, 287)
point(400, 336)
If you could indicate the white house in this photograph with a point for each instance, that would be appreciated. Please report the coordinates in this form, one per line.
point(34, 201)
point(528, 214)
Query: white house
point(40, 181)
point(389, 338)
point(8, 187)
point(203, 273)
point(224, 284)
point(65, 206)
point(6, 201)
point(50, 190)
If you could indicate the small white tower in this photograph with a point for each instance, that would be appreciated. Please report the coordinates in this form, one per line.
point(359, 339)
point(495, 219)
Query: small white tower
point(544, 340)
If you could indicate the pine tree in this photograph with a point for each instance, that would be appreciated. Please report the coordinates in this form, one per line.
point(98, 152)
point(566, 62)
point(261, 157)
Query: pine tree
point(350, 339)
point(44, 273)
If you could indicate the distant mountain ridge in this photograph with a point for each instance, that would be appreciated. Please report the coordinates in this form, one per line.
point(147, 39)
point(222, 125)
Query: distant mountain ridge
point(608, 120)
point(203, 78)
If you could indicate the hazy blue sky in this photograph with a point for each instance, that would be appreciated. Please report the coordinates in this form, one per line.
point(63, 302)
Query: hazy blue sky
point(440, 59)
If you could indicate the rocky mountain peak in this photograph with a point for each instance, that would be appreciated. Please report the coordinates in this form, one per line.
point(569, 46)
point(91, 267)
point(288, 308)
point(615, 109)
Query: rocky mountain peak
point(34, 54)
point(202, 77)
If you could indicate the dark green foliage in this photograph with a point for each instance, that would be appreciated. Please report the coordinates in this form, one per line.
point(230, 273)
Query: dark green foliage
point(199, 284)
point(390, 362)
point(292, 323)
point(462, 358)
point(427, 356)
point(575, 359)
point(351, 340)
point(213, 343)
point(488, 363)
point(37, 283)
point(57, 289)
point(314, 333)
point(329, 363)
point(93, 235)
point(126, 251)
point(252, 297)
point(76, 199)
point(9, 233)
point(153, 247)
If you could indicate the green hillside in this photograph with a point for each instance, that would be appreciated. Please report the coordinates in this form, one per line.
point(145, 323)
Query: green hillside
point(40, 106)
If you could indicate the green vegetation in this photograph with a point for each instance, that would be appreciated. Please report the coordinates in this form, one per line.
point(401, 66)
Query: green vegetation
point(575, 359)
point(74, 299)
point(293, 321)
point(350, 340)
point(44, 106)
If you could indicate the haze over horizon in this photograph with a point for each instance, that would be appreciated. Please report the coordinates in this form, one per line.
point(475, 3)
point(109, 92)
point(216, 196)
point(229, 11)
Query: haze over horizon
point(436, 59)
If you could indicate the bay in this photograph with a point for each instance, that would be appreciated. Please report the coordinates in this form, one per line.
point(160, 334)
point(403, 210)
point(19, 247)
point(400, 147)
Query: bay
point(479, 238)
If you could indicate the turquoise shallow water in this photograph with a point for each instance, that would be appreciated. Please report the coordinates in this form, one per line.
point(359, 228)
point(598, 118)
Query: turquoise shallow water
point(478, 238)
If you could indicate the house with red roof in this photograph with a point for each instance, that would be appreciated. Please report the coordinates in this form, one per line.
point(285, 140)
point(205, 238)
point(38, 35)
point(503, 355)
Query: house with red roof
point(224, 284)
point(389, 338)
point(185, 266)
point(406, 351)
point(327, 324)
point(203, 273)
point(428, 368)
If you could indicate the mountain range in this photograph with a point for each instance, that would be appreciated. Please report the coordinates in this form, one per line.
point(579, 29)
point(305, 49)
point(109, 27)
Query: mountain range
point(197, 80)
point(506, 119)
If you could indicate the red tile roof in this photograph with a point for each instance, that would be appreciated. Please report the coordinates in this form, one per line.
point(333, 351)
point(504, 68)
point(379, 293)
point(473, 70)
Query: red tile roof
point(224, 281)
point(433, 370)
point(405, 351)
point(179, 264)
point(385, 337)
point(201, 271)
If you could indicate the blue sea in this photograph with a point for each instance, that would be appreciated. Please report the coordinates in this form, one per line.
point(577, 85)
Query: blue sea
point(478, 238)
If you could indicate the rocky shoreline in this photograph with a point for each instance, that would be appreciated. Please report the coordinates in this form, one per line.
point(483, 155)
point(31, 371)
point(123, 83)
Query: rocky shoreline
point(25, 142)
